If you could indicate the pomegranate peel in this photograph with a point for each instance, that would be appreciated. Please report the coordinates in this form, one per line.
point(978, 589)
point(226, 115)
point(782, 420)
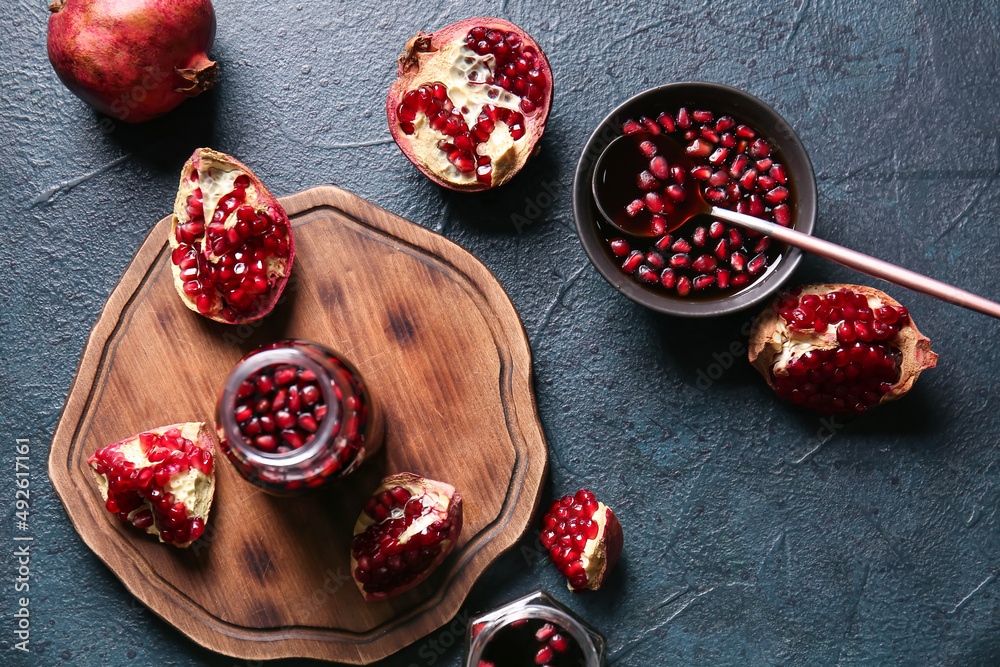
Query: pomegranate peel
point(133, 59)
point(584, 539)
point(161, 481)
point(834, 355)
point(232, 244)
point(470, 102)
point(405, 531)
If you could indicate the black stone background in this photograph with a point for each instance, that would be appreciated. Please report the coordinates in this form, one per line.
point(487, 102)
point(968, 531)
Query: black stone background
point(747, 540)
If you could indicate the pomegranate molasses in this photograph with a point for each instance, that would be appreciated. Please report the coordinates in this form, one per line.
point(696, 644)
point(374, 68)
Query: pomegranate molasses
point(735, 167)
point(294, 415)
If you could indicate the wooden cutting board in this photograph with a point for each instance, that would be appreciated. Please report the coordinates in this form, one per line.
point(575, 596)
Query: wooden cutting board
point(440, 344)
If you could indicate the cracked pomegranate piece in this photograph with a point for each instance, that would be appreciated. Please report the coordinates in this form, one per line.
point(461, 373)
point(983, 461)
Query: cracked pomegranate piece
point(584, 539)
point(407, 528)
point(161, 481)
point(838, 349)
point(735, 169)
point(232, 242)
point(470, 102)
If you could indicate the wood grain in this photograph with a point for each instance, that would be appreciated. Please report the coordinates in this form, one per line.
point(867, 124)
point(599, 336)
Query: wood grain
point(442, 348)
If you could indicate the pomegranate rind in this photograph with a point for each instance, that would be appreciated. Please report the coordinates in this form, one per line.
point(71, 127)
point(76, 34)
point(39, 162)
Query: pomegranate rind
point(423, 61)
point(767, 339)
point(201, 161)
point(196, 432)
point(601, 553)
point(449, 505)
point(166, 52)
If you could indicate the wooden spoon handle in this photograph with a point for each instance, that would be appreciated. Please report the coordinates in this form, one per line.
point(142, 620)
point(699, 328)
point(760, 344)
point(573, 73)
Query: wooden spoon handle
point(871, 266)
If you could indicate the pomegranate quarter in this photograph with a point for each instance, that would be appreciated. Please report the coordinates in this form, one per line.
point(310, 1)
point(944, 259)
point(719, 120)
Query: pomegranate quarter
point(161, 481)
point(584, 539)
point(232, 242)
point(838, 349)
point(407, 528)
point(470, 102)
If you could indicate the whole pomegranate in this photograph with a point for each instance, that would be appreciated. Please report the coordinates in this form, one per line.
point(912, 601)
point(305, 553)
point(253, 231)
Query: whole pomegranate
point(231, 239)
point(838, 349)
point(161, 481)
point(406, 529)
point(584, 539)
point(470, 102)
point(133, 59)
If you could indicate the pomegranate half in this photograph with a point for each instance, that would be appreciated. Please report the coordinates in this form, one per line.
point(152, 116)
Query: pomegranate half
point(133, 59)
point(584, 539)
point(470, 102)
point(231, 239)
point(838, 349)
point(161, 481)
point(406, 529)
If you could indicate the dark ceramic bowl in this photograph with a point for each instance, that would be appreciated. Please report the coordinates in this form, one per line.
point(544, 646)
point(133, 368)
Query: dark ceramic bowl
point(721, 100)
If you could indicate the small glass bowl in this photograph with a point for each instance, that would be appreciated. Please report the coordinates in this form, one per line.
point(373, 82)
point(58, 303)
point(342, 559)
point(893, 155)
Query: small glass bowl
point(536, 606)
point(350, 431)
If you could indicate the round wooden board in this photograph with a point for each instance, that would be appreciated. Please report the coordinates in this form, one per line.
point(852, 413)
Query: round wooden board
point(440, 344)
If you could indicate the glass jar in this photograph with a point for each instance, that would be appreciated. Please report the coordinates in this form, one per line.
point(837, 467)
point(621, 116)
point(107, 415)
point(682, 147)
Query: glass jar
point(501, 636)
point(294, 415)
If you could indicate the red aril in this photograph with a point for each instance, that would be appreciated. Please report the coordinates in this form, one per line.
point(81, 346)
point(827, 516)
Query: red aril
point(406, 529)
point(231, 239)
point(839, 349)
point(133, 59)
point(584, 539)
point(470, 102)
point(161, 481)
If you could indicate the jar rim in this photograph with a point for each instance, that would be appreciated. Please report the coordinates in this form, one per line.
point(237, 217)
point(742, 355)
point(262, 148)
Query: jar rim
point(276, 356)
point(533, 609)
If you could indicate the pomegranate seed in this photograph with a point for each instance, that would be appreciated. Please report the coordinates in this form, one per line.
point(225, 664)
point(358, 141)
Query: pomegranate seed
point(647, 275)
point(668, 278)
point(778, 194)
point(701, 282)
point(676, 193)
point(684, 286)
point(659, 166)
point(718, 178)
point(681, 245)
point(666, 122)
point(646, 181)
point(545, 632)
point(704, 264)
point(683, 118)
point(718, 156)
point(654, 201)
point(699, 148)
point(650, 126)
point(648, 148)
point(702, 173)
point(680, 261)
point(700, 236)
point(633, 261)
point(635, 207)
point(618, 246)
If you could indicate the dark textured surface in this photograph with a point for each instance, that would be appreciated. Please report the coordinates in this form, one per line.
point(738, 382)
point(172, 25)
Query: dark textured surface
point(755, 534)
